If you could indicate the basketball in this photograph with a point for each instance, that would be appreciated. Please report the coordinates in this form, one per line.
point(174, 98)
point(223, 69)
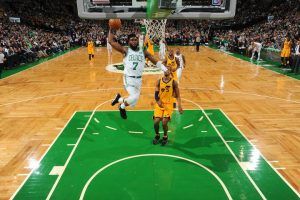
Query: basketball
point(115, 24)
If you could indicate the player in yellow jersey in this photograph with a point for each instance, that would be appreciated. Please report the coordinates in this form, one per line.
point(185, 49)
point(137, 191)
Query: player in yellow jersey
point(286, 52)
point(173, 63)
point(90, 48)
point(165, 91)
point(150, 48)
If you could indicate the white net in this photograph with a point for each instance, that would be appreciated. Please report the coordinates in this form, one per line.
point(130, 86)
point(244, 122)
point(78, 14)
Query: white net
point(155, 28)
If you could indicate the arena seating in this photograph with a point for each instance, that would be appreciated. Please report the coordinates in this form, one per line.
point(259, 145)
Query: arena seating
point(59, 28)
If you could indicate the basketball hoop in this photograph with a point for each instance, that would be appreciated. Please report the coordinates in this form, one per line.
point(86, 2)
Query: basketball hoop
point(155, 29)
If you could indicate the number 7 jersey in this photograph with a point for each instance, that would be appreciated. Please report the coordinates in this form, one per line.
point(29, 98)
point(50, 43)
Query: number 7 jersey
point(134, 62)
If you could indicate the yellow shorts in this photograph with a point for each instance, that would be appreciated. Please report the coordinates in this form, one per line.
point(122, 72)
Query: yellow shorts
point(285, 53)
point(91, 52)
point(163, 112)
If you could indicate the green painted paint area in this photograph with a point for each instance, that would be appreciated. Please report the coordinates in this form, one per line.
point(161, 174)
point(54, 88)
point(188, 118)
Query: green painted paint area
point(154, 180)
point(268, 64)
point(9, 72)
point(115, 159)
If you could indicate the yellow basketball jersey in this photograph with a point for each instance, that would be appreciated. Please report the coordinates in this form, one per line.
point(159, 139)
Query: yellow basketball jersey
point(287, 45)
point(90, 46)
point(150, 48)
point(173, 65)
point(166, 91)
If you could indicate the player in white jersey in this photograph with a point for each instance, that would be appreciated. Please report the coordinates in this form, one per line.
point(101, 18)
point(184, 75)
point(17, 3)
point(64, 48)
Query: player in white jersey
point(134, 63)
point(162, 49)
point(109, 48)
point(181, 59)
point(256, 47)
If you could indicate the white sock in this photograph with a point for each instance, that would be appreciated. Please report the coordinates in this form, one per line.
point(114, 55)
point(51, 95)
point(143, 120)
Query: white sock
point(123, 106)
point(120, 100)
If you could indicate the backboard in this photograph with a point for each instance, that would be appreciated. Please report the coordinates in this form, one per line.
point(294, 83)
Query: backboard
point(156, 9)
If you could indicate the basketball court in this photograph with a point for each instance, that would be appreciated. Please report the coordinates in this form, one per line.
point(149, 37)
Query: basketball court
point(99, 156)
point(87, 151)
point(60, 138)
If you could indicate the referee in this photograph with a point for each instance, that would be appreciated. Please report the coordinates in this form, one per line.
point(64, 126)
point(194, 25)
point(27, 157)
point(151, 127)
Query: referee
point(197, 41)
point(2, 59)
point(297, 57)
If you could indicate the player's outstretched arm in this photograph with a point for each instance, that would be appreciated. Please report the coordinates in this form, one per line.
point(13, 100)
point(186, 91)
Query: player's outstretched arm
point(158, 63)
point(178, 98)
point(150, 57)
point(115, 44)
point(164, 62)
point(183, 58)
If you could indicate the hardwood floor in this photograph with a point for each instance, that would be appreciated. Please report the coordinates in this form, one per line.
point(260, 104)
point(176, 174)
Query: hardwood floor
point(36, 104)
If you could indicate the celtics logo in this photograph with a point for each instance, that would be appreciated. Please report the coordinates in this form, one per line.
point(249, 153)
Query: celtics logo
point(119, 68)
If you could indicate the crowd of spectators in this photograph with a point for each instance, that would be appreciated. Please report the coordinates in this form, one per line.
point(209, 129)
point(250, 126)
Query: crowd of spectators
point(23, 44)
point(282, 21)
point(48, 27)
